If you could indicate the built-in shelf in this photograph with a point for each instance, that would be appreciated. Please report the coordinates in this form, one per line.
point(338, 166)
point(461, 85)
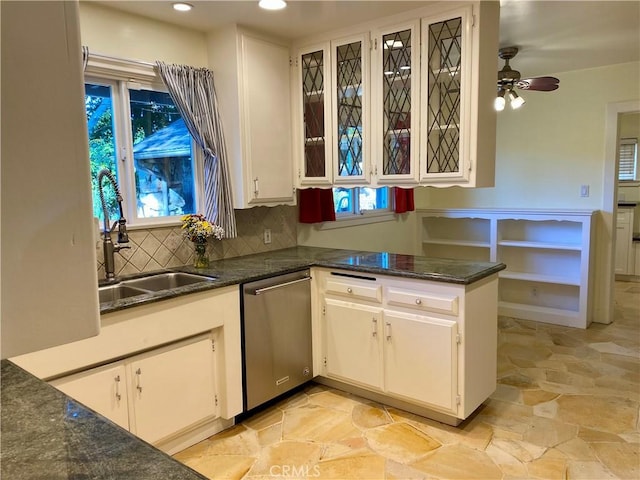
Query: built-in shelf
point(547, 252)
point(535, 277)
point(540, 245)
point(461, 243)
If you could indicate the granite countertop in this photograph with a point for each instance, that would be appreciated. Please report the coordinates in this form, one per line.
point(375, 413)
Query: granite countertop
point(248, 268)
point(45, 434)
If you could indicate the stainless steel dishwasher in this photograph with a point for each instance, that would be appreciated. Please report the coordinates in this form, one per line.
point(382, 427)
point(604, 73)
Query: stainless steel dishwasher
point(276, 336)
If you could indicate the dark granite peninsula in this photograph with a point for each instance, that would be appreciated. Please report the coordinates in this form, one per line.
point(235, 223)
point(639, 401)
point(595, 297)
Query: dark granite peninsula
point(47, 435)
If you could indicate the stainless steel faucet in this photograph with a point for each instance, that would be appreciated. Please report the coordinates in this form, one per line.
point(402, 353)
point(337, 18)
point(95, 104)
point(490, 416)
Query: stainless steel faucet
point(109, 248)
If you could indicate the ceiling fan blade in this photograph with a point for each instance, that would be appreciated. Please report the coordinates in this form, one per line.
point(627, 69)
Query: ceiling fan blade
point(542, 84)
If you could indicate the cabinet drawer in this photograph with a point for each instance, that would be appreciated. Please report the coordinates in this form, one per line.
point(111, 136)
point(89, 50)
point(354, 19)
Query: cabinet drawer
point(447, 304)
point(624, 216)
point(371, 292)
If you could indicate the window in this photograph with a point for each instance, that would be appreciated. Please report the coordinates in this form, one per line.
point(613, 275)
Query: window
point(137, 132)
point(628, 160)
point(350, 202)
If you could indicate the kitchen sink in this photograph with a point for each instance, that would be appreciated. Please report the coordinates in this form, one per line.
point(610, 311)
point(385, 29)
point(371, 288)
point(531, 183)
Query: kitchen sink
point(166, 281)
point(112, 293)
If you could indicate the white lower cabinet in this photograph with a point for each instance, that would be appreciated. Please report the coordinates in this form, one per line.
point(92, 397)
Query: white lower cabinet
point(155, 394)
point(176, 384)
point(421, 359)
point(103, 389)
point(427, 347)
point(349, 325)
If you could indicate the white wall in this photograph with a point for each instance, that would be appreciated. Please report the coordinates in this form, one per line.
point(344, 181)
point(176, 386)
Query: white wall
point(550, 147)
point(111, 32)
point(396, 236)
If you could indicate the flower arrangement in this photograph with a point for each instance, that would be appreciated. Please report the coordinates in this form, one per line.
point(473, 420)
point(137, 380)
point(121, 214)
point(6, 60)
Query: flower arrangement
point(198, 229)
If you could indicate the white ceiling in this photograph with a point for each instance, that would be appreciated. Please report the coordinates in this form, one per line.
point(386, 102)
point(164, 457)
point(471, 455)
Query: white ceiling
point(553, 36)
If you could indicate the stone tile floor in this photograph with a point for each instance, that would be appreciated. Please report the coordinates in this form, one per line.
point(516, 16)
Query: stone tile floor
point(566, 406)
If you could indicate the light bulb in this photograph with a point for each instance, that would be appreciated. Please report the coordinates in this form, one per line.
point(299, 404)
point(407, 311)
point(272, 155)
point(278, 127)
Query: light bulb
point(516, 101)
point(272, 4)
point(499, 102)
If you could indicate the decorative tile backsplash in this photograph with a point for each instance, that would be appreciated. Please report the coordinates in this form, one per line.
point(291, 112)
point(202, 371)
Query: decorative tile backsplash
point(165, 247)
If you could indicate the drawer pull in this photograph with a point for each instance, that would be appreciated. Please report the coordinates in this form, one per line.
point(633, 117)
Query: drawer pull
point(117, 380)
point(418, 301)
point(349, 290)
point(138, 381)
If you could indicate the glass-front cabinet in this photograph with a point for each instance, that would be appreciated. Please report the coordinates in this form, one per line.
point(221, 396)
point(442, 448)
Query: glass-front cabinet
point(446, 94)
point(350, 110)
point(396, 103)
point(315, 148)
point(427, 118)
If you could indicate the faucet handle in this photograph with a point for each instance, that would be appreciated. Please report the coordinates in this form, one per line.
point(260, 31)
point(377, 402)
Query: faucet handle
point(123, 236)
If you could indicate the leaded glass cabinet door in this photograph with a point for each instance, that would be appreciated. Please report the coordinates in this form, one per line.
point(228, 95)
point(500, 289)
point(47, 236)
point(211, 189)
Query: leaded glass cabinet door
point(397, 103)
point(444, 142)
point(314, 94)
point(350, 110)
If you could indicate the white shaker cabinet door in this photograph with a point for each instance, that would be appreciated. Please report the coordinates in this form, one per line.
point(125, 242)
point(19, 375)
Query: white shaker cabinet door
point(420, 358)
point(172, 389)
point(353, 349)
point(103, 389)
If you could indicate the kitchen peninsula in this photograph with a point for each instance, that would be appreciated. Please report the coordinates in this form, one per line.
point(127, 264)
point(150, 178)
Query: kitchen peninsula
point(35, 416)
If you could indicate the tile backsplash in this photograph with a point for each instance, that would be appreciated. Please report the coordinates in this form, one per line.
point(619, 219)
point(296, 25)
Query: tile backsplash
point(165, 247)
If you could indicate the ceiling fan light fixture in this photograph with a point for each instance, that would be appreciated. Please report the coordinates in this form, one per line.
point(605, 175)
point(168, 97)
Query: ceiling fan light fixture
point(272, 4)
point(516, 100)
point(499, 102)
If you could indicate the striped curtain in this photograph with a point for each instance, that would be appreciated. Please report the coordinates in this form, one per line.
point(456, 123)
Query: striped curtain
point(193, 92)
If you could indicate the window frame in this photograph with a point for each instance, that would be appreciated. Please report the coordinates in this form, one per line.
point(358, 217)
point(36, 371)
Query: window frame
point(636, 177)
point(121, 76)
point(353, 218)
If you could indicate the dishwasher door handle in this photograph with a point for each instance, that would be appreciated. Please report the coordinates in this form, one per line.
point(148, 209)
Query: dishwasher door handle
point(259, 291)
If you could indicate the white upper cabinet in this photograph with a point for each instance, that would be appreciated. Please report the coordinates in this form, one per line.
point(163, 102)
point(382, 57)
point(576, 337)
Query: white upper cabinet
point(350, 112)
point(252, 79)
point(457, 130)
point(396, 93)
point(312, 90)
point(411, 101)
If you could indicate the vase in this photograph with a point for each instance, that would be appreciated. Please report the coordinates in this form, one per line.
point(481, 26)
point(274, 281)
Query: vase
point(200, 257)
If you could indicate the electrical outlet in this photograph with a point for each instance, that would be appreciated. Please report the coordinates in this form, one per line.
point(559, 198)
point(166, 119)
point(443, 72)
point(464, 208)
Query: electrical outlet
point(584, 190)
point(267, 236)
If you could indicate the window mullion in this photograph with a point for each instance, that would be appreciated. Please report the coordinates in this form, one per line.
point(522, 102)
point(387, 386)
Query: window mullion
point(125, 152)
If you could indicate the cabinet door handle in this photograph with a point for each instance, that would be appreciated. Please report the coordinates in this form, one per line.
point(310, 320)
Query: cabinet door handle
point(374, 327)
point(138, 381)
point(388, 327)
point(117, 380)
point(255, 187)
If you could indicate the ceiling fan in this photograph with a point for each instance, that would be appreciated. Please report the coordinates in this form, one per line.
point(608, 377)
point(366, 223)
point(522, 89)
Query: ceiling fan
point(509, 80)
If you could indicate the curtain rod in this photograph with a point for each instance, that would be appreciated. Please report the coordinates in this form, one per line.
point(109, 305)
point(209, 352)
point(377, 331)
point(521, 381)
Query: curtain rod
point(120, 59)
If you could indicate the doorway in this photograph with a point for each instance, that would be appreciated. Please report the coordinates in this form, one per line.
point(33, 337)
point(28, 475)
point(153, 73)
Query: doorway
point(605, 257)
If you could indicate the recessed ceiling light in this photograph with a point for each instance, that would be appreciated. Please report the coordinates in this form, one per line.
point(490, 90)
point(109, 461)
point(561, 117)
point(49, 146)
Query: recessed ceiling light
point(182, 7)
point(272, 4)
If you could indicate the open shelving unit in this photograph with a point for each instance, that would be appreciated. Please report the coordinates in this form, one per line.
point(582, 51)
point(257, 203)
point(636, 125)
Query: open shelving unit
point(548, 256)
